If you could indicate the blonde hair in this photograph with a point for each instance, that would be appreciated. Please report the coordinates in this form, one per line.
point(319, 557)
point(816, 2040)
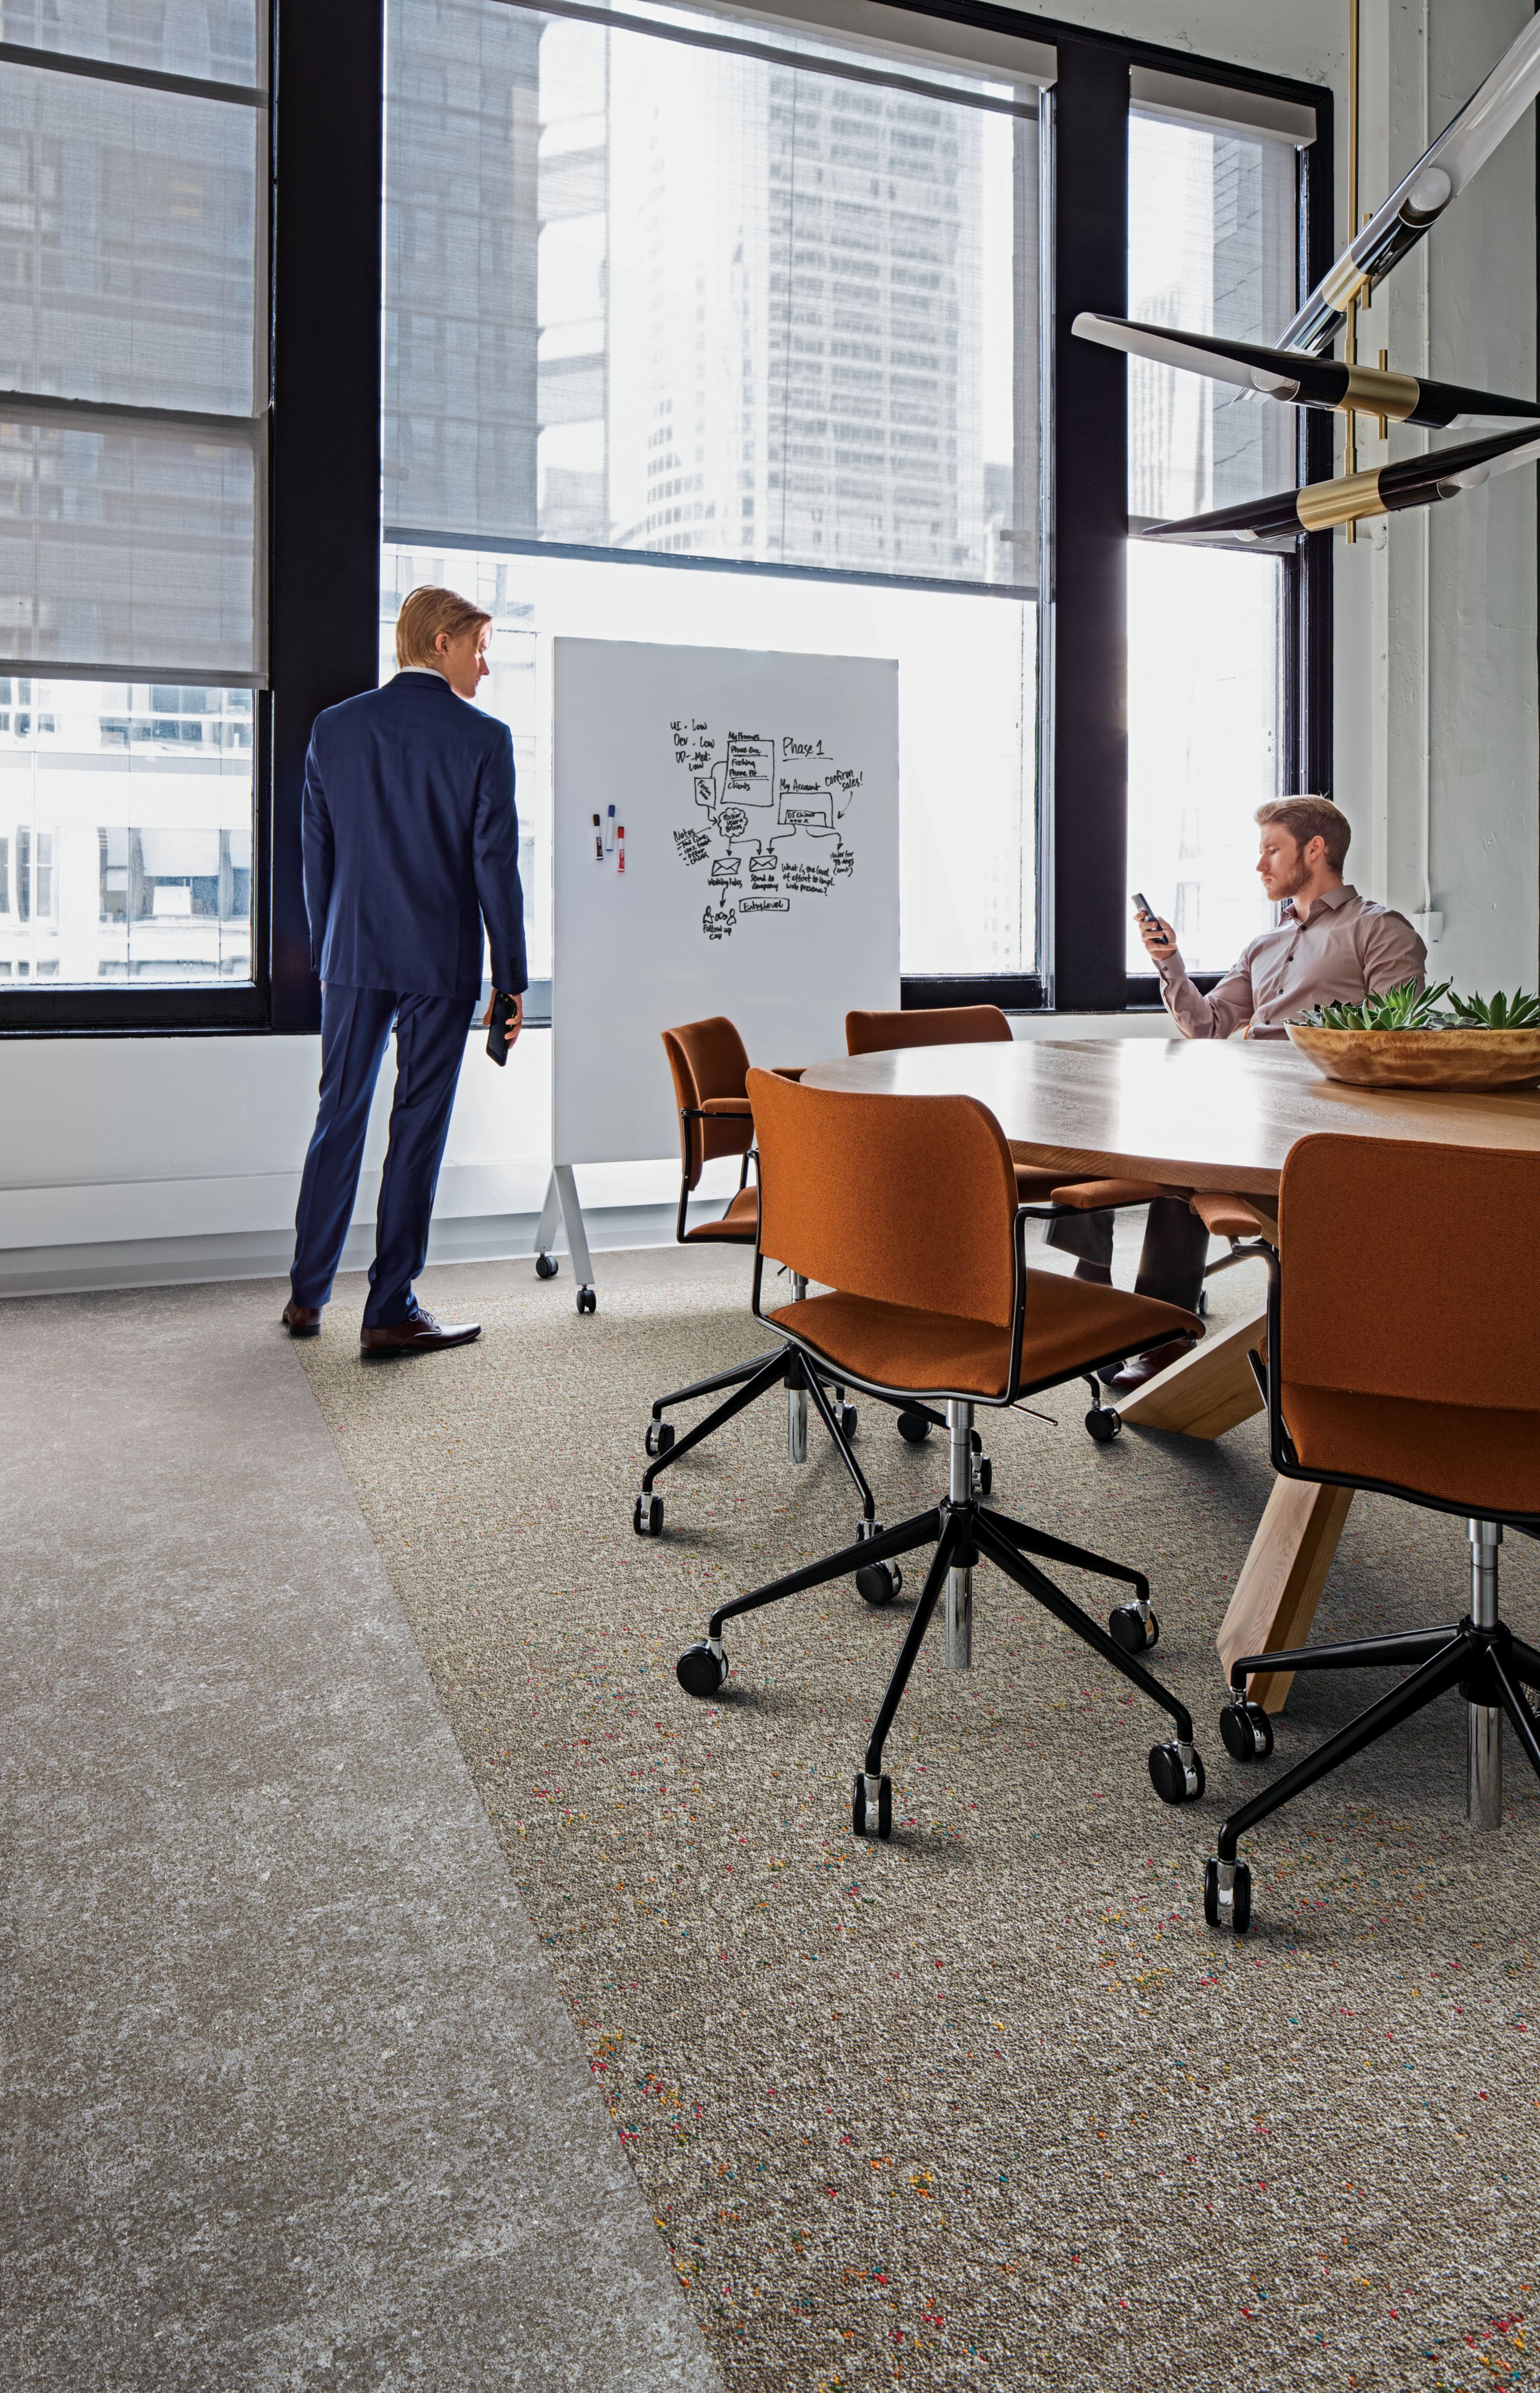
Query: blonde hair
point(424, 613)
point(1308, 819)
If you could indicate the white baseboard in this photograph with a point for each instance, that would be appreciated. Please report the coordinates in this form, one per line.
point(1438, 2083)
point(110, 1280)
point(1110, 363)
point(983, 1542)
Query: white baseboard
point(265, 1254)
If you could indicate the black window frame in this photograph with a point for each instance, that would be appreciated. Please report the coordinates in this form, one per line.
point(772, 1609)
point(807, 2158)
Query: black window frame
point(324, 516)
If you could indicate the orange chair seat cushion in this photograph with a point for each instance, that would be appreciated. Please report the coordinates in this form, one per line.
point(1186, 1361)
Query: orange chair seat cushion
point(1480, 1458)
point(1069, 1326)
point(739, 1226)
point(1093, 1195)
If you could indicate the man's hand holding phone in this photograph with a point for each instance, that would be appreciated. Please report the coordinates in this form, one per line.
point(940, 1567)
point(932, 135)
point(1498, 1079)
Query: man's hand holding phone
point(1160, 940)
point(502, 1022)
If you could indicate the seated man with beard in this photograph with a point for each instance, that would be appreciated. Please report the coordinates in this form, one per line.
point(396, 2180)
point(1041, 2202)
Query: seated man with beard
point(1329, 945)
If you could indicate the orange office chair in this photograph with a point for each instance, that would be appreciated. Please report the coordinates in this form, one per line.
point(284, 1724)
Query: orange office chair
point(1404, 1362)
point(904, 1209)
point(709, 1066)
point(1045, 1189)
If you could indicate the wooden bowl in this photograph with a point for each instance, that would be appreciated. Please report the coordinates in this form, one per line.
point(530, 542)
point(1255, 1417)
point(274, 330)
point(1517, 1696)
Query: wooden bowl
point(1423, 1059)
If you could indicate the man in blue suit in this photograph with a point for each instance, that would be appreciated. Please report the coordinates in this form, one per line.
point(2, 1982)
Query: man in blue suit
point(410, 845)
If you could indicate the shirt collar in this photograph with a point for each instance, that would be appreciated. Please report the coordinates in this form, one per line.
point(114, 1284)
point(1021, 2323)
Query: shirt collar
point(429, 672)
point(1327, 903)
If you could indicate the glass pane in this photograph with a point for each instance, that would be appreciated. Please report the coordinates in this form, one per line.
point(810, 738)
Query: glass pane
point(1204, 651)
point(967, 716)
point(127, 243)
point(650, 295)
point(220, 39)
point(1212, 248)
point(129, 547)
point(125, 833)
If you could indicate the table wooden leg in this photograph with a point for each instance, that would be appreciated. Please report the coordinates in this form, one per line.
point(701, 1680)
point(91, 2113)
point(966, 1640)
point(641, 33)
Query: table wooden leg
point(1208, 1391)
point(1281, 1580)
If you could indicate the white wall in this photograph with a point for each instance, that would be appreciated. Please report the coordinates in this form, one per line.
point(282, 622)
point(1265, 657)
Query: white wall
point(151, 1158)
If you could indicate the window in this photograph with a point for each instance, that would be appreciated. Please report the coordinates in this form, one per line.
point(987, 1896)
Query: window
point(763, 308)
point(1213, 247)
point(133, 367)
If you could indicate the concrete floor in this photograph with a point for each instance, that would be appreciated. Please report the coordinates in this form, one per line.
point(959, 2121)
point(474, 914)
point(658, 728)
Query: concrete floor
point(290, 2097)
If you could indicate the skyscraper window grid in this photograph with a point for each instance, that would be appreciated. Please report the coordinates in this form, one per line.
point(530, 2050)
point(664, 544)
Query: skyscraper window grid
point(783, 318)
point(1213, 245)
point(134, 368)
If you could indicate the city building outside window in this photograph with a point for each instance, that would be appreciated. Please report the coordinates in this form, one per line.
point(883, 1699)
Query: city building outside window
point(1213, 247)
point(761, 303)
point(133, 364)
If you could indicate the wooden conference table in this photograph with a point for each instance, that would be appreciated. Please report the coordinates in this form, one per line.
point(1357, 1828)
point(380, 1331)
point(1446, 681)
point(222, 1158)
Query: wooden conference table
point(1218, 1113)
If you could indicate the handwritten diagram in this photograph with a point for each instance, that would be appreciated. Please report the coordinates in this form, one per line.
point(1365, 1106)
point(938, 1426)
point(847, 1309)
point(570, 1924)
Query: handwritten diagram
point(767, 811)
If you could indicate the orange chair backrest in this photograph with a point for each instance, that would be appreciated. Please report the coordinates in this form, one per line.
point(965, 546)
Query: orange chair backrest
point(1410, 1271)
point(707, 1059)
point(937, 1026)
point(910, 1200)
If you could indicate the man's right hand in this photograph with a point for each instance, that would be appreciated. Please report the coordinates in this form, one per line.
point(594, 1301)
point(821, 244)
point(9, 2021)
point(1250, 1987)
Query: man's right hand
point(1160, 940)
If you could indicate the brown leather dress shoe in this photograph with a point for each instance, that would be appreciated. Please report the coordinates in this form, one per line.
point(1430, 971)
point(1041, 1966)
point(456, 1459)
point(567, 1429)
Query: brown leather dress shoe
point(1140, 1367)
point(301, 1320)
point(421, 1335)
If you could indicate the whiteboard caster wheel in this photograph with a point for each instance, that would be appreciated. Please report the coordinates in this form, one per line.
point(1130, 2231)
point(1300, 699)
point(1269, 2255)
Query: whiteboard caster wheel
point(1133, 1627)
point(587, 1301)
point(700, 1669)
point(1104, 1421)
point(1176, 1773)
point(1227, 1896)
point(660, 1436)
point(647, 1519)
point(547, 1266)
point(871, 1805)
point(847, 1417)
point(913, 1428)
point(1246, 1731)
point(982, 1474)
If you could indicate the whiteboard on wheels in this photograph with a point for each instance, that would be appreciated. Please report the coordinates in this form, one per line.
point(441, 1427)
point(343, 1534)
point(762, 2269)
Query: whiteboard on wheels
point(752, 869)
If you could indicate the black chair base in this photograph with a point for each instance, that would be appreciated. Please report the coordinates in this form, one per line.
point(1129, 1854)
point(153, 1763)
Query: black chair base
point(964, 1532)
point(1489, 1667)
point(745, 1383)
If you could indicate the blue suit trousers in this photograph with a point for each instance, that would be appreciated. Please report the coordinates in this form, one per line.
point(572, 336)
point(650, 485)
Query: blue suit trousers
point(430, 1048)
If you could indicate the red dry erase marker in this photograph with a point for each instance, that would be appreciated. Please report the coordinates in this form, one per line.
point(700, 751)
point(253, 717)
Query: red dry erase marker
point(620, 847)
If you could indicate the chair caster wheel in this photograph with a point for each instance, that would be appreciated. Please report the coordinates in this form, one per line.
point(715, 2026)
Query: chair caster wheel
point(847, 1417)
point(1176, 1777)
point(913, 1428)
point(660, 1436)
point(1133, 1629)
point(1104, 1421)
point(587, 1301)
point(1246, 1731)
point(547, 1266)
point(647, 1519)
point(1227, 1905)
point(984, 1474)
point(878, 1583)
point(700, 1669)
point(871, 1805)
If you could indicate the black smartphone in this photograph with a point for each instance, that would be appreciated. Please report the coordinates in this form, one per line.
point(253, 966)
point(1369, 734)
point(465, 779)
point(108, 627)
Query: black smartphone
point(497, 1029)
point(1143, 903)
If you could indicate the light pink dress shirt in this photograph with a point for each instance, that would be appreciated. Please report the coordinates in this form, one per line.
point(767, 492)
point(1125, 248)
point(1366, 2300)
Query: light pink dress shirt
point(1347, 948)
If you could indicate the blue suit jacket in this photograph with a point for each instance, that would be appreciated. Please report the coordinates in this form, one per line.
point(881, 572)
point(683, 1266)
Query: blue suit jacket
point(410, 843)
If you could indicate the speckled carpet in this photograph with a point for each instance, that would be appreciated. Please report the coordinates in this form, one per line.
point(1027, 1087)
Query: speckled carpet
point(988, 2105)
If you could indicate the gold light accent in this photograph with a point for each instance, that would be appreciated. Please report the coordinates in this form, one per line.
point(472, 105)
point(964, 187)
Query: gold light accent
point(1343, 285)
point(1321, 505)
point(1373, 391)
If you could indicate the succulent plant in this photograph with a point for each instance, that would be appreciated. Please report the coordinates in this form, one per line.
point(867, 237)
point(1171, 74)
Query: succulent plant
point(1519, 1012)
point(1405, 1008)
